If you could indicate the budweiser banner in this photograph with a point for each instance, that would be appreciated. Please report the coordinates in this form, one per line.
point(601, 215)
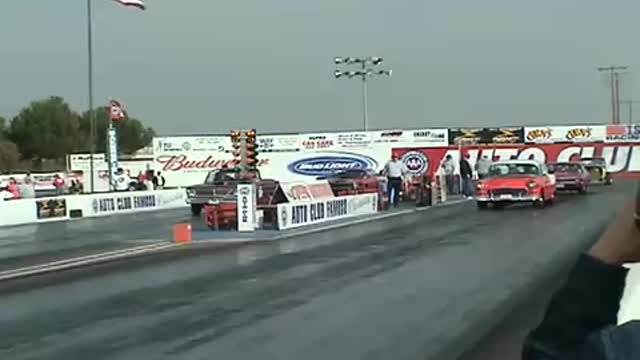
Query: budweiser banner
point(623, 159)
point(560, 134)
point(472, 136)
point(619, 133)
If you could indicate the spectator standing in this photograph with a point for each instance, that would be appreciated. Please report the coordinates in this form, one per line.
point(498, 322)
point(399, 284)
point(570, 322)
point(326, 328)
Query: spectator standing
point(58, 183)
point(466, 176)
point(4, 193)
point(161, 181)
point(27, 188)
point(120, 181)
point(482, 167)
point(394, 169)
point(12, 187)
point(449, 168)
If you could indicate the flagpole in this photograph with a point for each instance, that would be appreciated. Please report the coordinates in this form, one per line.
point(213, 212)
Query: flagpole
point(92, 117)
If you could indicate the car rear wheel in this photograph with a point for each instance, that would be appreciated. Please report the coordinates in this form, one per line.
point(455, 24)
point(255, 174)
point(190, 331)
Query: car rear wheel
point(482, 205)
point(608, 181)
point(196, 209)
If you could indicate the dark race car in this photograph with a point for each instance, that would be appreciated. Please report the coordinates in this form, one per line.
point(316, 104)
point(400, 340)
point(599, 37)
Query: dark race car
point(352, 182)
point(597, 167)
point(572, 176)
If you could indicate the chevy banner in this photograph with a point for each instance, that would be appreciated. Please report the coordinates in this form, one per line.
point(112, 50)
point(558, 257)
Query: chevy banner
point(302, 213)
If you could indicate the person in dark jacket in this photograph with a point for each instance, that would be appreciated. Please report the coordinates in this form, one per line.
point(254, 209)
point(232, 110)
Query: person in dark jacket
point(581, 319)
point(466, 176)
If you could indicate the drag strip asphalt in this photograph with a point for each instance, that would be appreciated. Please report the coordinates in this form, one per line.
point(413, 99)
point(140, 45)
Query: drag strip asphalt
point(405, 293)
point(39, 243)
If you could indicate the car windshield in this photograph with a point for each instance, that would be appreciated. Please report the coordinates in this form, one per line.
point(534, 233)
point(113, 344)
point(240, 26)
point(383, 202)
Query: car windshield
point(513, 169)
point(217, 176)
point(570, 168)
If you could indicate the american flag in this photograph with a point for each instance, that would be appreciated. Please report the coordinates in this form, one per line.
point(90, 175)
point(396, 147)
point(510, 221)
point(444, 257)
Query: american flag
point(135, 3)
point(116, 110)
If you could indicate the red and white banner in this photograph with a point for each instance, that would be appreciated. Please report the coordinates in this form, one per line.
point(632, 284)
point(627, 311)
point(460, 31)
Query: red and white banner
point(623, 159)
point(304, 191)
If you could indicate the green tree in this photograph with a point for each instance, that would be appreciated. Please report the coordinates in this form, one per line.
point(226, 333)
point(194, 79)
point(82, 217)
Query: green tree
point(46, 129)
point(9, 156)
point(132, 134)
point(3, 128)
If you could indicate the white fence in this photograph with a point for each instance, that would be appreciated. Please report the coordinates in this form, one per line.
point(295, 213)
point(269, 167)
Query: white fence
point(27, 211)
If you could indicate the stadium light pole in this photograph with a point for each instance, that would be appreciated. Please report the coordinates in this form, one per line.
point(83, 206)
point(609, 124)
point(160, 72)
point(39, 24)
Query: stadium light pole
point(614, 84)
point(92, 116)
point(366, 71)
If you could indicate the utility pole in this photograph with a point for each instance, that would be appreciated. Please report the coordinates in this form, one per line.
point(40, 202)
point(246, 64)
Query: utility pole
point(614, 84)
point(629, 104)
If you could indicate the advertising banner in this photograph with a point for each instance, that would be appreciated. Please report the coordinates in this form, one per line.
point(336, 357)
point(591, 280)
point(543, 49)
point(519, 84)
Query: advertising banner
point(321, 141)
point(429, 137)
point(622, 133)
point(352, 140)
point(564, 134)
point(302, 213)
point(116, 203)
point(51, 208)
point(308, 190)
point(113, 151)
point(472, 136)
point(246, 207)
point(623, 159)
point(178, 144)
point(278, 143)
point(391, 137)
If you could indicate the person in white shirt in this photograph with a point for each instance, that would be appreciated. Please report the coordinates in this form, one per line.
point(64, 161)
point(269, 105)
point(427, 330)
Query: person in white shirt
point(449, 168)
point(394, 170)
point(121, 181)
point(482, 167)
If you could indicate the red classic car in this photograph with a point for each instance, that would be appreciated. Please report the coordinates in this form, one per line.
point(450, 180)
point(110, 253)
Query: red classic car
point(516, 181)
point(571, 176)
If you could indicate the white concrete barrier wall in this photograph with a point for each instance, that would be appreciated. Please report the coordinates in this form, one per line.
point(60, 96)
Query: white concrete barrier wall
point(28, 211)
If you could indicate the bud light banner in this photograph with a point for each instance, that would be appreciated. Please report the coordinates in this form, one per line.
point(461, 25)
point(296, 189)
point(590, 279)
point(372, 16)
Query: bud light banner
point(322, 164)
point(623, 159)
point(473, 136)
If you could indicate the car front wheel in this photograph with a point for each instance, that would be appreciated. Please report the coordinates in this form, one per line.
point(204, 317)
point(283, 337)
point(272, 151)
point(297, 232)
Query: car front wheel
point(196, 209)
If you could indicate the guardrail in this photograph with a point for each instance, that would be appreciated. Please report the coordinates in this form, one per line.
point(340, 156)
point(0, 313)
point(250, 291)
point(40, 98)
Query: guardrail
point(61, 208)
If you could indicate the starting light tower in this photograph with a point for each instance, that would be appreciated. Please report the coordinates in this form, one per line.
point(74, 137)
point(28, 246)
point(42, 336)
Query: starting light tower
point(244, 149)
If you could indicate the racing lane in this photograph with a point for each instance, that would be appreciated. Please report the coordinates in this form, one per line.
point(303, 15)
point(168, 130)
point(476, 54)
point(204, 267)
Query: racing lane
point(36, 242)
point(401, 295)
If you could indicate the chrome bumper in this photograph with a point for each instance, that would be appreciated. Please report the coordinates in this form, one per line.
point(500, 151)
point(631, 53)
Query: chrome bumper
point(505, 199)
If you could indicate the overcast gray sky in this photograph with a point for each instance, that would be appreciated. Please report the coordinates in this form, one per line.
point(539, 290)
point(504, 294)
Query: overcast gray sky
point(201, 66)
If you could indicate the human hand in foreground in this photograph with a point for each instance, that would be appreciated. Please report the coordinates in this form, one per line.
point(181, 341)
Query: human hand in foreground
point(620, 243)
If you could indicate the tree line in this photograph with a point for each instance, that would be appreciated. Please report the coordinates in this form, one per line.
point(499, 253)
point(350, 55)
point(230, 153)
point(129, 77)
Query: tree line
point(48, 129)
